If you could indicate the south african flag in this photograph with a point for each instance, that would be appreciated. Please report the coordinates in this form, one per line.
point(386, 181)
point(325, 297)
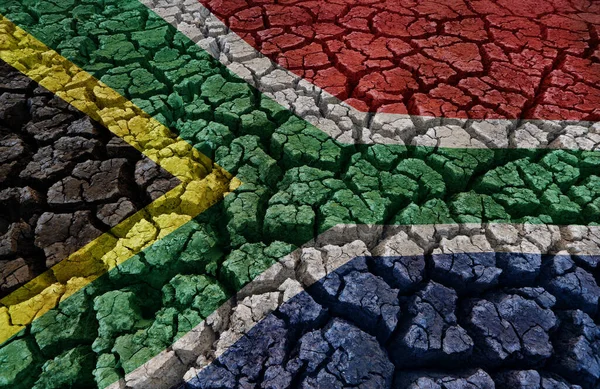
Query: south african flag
point(235, 194)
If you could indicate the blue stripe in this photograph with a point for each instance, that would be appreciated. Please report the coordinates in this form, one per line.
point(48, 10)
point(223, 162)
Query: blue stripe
point(392, 322)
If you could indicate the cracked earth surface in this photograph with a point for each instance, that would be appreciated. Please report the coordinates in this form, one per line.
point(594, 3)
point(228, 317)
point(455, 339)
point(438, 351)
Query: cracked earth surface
point(298, 183)
point(456, 58)
point(348, 124)
point(64, 179)
point(419, 325)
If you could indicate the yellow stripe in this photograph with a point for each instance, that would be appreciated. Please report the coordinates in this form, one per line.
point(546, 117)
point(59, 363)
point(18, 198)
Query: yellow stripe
point(203, 183)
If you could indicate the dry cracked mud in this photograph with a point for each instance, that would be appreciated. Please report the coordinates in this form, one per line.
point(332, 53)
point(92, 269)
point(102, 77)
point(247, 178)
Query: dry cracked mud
point(64, 179)
point(453, 208)
point(460, 58)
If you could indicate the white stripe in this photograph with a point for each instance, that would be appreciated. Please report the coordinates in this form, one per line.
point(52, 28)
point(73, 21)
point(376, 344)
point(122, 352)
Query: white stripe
point(332, 249)
point(347, 124)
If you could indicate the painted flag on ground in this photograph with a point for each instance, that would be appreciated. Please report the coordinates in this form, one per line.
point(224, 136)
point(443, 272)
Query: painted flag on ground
point(251, 194)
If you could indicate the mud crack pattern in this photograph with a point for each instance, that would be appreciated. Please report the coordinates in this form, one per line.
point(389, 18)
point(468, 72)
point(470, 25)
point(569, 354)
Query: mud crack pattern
point(64, 179)
point(458, 58)
point(416, 326)
point(438, 230)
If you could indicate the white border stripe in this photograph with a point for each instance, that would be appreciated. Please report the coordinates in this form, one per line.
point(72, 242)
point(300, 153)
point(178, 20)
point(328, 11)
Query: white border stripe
point(332, 249)
point(347, 124)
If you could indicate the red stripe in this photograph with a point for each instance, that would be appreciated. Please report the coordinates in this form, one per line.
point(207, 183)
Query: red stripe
point(536, 59)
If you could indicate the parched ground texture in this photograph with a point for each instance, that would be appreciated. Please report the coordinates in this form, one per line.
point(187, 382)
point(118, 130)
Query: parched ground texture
point(63, 179)
point(413, 322)
point(447, 306)
point(476, 58)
